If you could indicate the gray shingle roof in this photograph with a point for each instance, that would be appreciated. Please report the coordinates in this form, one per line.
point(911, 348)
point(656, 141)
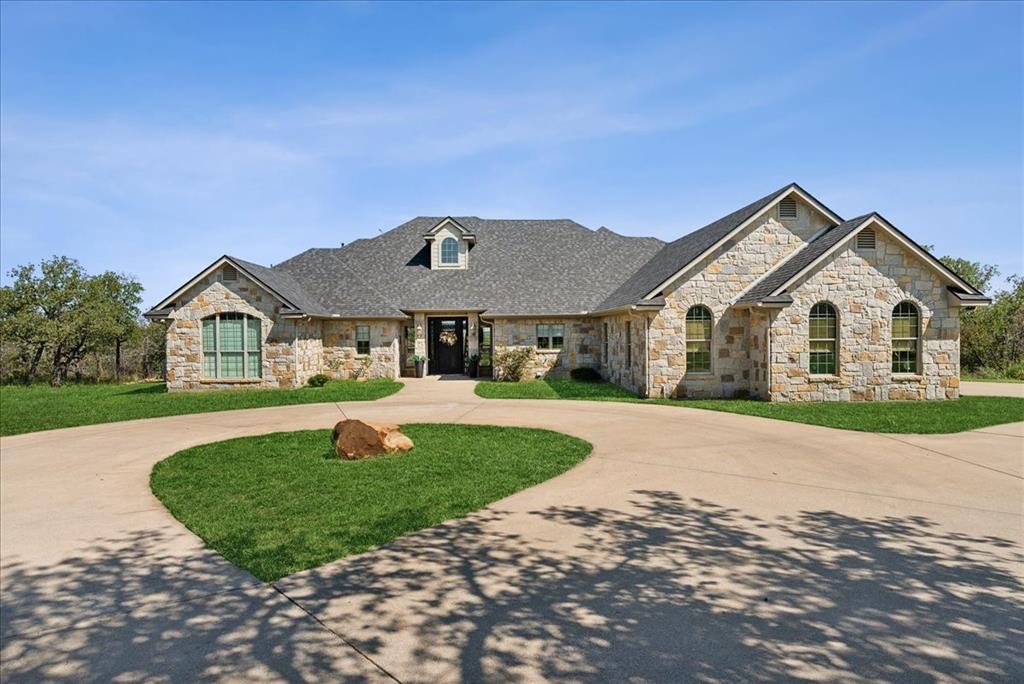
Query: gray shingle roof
point(778, 277)
point(284, 284)
point(515, 267)
point(678, 254)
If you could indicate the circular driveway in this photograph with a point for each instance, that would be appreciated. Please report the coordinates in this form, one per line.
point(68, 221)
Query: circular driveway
point(691, 545)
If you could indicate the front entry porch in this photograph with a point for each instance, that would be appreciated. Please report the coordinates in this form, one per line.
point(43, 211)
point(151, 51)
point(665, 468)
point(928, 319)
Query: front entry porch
point(454, 344)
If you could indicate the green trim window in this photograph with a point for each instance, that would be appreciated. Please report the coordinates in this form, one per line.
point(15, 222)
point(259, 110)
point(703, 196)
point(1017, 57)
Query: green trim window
point(449, 251)
point(698, 339)
point(824, 336)
point(906, 331)
point(232, 346)
point(362, 339)
point(550, 336)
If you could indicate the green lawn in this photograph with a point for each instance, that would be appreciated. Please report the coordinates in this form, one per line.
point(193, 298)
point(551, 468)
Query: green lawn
point(283, 502)
point(41, 407)
point(921, 417)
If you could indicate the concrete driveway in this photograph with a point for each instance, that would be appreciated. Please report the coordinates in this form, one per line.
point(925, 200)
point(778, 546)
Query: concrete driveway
point(692, 545)
point(992, 389)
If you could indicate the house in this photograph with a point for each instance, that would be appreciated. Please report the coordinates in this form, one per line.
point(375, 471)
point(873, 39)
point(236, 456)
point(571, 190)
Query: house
point(782, 300)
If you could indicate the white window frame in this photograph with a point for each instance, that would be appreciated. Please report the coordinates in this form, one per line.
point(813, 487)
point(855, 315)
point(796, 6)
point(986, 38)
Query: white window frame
point(440, 255)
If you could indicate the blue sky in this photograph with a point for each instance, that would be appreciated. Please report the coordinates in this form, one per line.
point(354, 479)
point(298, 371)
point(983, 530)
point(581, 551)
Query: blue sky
point(152, 138)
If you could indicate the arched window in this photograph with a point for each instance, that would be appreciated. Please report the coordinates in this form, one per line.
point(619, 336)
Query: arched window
point(824, 336)
point(906, 330)
point(449, 251)
point(698, 339)
point(231, 346)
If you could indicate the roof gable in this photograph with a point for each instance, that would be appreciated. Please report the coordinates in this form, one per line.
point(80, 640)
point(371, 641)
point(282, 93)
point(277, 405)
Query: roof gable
point(775, 283)
point(676, 257)
point(450, 223)
point(280, 285)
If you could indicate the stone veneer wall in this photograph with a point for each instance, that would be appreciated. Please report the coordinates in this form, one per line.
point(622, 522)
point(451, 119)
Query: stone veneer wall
point(581, 347)
point(340, 359)
point(211, 296)
point(716, 282)
point(309, 350)
point(864, 286)
point(619, 368)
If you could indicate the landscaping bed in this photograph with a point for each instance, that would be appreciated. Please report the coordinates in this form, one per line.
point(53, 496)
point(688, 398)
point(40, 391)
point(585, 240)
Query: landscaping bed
point(908, 417)
point(280, 503)
point(41, 407)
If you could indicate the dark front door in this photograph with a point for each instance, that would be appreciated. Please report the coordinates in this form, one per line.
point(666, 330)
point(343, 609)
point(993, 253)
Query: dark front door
point(447, 348)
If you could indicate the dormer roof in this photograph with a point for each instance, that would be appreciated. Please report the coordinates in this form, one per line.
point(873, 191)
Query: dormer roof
point(451, 223)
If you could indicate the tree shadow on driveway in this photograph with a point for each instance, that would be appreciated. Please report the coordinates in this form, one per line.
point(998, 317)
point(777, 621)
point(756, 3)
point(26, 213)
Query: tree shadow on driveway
point(666, 590)
point(681, 590)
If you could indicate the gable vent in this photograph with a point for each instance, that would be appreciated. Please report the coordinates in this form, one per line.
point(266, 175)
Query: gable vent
point(787, 208)
point(866, 239)
point(229, 274)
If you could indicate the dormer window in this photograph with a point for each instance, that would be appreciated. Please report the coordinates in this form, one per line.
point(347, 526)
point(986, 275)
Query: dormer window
point(450, 251)
point(449, 242)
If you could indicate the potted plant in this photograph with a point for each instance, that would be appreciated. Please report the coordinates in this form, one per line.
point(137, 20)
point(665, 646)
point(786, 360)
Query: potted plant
point(474, 365)
point(421, 364)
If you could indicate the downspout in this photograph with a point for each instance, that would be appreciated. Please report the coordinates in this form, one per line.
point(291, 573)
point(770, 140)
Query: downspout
point(295, 351)
point(768, 370)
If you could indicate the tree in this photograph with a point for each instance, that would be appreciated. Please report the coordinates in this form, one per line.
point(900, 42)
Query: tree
point(62, 311)
point(974, 272)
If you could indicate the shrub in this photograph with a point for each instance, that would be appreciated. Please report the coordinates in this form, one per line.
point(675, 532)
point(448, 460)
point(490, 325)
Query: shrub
point(318, 380)
point(511, 364)
point(585, 374)
point(1015, 371)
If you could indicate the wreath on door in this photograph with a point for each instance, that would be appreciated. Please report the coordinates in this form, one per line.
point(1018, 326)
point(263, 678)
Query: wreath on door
point(448, 338)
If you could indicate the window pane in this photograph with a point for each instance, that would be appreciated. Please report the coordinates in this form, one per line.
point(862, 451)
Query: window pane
point(823, 328)
point(255, 332)
point(904, 327)
point(210, 364)
point(823, 357)
point(698, 356)
point(557, 332)
point(543, 331)
point(904, 361)
point(363, 332)
point(209, 334)
point(362, 346)
point(255, 365)
point(449, 251)
point(698, 330)
point(230, 333)
point(231, 363)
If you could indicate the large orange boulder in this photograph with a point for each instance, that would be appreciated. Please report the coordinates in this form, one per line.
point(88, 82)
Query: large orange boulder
point(355, 439)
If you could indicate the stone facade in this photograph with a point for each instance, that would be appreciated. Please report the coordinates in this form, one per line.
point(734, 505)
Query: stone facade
point(626, 368)
point(581, 345)
point(756, 352)
point(214, 295)
point(716, 282)
point(341, 359)
point(864, 286)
